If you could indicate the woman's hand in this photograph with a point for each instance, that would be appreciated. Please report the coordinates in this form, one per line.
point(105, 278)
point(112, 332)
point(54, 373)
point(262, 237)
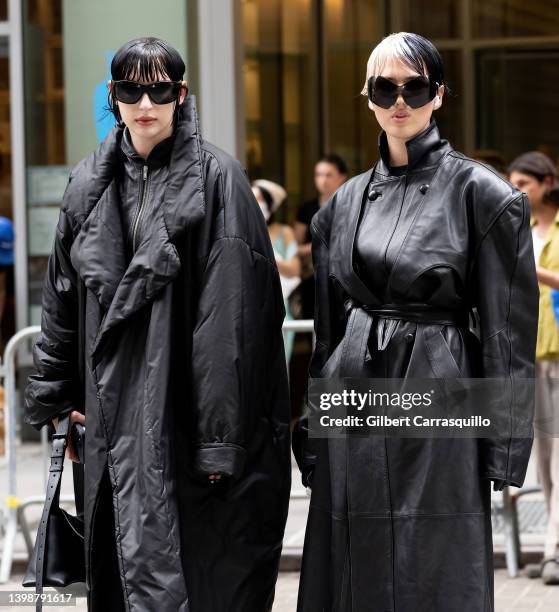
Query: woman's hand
point(75, 417)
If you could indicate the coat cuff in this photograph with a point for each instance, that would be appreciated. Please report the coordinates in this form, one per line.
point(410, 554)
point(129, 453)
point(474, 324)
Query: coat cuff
point(220, 458)
point(507, 461)
point(46, 420)
point(502, 481)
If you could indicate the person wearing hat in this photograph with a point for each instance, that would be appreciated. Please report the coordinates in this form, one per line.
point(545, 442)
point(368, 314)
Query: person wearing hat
point(270, 196)
point(7, 320)
point(535, 174)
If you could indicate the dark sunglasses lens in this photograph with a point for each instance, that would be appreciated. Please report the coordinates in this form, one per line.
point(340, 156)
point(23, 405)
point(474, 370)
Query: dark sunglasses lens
point(163, 93)
point(128, 93)
point(417, 92)
point(384, 92)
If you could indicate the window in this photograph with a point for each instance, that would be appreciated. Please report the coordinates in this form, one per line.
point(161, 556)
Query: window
point(511, 18)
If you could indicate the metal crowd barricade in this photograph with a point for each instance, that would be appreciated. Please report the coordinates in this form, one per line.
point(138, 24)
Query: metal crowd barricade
point(508, 508)
point(299, 326)
point(13, 512)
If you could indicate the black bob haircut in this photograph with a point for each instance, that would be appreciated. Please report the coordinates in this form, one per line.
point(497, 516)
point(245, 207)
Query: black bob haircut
point(145, 59)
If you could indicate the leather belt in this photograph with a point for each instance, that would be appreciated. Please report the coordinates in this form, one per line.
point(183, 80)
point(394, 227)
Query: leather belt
point(360, 318)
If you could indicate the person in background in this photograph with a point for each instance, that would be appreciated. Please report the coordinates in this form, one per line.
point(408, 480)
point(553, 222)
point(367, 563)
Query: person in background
point(7, 311)
point(536, 175)
point(270, 196)
point(330, 172)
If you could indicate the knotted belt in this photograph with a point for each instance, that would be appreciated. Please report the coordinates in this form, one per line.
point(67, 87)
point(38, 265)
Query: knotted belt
point(360, 318)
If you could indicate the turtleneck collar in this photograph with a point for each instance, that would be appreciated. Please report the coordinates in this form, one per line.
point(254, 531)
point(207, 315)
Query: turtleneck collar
point(159, 155)
point(424, 149)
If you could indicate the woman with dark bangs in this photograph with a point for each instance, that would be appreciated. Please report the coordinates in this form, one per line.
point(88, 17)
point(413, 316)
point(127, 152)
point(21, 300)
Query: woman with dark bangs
point(424, 270)
point(162, 246)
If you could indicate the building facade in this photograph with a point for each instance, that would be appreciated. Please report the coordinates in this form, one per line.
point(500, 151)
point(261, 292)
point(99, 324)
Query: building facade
point(278, 84)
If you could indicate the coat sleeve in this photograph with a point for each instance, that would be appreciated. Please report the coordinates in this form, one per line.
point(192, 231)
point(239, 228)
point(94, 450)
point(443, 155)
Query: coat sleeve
point(328, 324)
point(238, 321)
point(507, 303)
point(324, 303)
point(54, 390)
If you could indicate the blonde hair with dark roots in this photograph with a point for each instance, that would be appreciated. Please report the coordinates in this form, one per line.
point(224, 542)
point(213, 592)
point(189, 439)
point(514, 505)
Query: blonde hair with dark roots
point(413, 50)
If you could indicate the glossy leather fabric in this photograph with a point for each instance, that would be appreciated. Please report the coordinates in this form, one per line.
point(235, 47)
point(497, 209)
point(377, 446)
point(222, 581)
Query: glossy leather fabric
point(396, 524)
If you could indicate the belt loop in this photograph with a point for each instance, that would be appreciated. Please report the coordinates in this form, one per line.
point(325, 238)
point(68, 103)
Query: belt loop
point(355, 343)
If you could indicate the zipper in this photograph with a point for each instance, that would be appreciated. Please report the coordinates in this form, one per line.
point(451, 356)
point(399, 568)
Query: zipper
point(143, 201)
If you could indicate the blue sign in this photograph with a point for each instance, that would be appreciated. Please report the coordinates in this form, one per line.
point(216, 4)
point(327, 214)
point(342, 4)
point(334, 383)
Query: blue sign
point(104, 119)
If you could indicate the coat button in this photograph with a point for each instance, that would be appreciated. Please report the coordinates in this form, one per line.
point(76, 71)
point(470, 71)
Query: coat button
point(409, 337)
point(374, 193)
point(424, 188)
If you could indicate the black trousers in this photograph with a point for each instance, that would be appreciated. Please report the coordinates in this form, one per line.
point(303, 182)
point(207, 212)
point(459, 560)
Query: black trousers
point(106, 594)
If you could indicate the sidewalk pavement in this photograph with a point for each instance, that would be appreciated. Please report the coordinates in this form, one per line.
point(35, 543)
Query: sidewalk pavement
point(518, 593)
point(511, 594)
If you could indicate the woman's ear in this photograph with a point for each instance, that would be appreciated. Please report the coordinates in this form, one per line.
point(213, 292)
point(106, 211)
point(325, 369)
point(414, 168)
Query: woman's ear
point(439, 97)
point(184, 91)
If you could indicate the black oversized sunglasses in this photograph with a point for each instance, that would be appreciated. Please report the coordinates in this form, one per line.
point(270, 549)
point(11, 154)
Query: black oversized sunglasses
point(416, 92)
point(160, 92)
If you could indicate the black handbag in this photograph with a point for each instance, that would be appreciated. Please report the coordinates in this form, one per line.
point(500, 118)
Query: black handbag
point(58, 558)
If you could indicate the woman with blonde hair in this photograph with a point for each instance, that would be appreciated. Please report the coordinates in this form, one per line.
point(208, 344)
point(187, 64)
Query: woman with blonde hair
point(407, 255)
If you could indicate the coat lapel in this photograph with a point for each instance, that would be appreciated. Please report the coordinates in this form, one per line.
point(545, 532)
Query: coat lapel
point(425, 150)
point(342, 241)
point(98, 251)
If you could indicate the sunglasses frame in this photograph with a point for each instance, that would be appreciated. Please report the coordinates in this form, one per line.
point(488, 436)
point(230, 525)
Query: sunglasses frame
point(146, 88)
point(401, 89)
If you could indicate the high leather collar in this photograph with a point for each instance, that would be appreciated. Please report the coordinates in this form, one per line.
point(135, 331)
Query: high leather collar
point(424, 149)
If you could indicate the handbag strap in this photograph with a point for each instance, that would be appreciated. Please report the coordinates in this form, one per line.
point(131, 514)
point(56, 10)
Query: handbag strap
point(59, 441)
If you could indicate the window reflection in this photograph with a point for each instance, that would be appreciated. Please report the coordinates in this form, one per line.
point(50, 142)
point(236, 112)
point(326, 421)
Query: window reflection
point(352, 29)
point(45, 134)
point(42, 35)
point(513, 118)
point(432, 18)
point(281, 92)
point(497, 18)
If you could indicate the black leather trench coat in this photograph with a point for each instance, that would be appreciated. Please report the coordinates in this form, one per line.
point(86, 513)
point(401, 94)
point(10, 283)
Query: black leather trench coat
point(404, 524)
point(185, 376)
